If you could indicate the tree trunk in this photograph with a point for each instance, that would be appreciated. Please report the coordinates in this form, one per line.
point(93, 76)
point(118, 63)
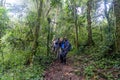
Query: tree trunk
point(107, 17)
point(75, 24)
point(1, 34)
point(36, 33)
point(117, 15)
point(90, 40)
point(48, 36)
point(101, 35)
point(1, 2)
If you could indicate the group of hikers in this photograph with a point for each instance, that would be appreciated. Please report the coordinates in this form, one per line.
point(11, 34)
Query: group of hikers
point(61, 46)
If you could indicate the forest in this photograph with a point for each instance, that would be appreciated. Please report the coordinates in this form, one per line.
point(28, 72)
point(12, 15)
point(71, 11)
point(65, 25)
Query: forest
point(27, 30)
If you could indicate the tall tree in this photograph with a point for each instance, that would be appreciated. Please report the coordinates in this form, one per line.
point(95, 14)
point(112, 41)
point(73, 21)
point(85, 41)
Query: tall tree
point(36, 31)
point(1, 2)
point(89, 8)
point(117, 15)
point(75, 24)
point(48, 36)
point(3, 27)
point(107, 17)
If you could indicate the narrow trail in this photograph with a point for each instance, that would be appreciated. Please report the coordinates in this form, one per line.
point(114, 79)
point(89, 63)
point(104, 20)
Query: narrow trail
point(59, 71)
point(75, 70)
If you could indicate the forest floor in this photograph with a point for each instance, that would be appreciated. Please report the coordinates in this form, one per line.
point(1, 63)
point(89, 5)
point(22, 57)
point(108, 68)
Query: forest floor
point(82, 67)
point(59, 71)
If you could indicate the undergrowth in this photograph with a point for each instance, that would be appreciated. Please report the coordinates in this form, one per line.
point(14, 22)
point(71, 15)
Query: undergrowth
point(14, 67)
point(100, 62)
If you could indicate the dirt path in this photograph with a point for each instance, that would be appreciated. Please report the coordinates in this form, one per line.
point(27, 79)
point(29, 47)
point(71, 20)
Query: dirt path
point(59, 71)
point(75, 70)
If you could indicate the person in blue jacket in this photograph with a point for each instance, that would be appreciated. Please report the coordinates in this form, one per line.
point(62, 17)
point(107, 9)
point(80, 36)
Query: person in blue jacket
point(65, 45)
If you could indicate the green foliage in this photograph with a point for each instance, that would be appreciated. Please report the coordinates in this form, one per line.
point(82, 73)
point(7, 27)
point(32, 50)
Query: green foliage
point(54, 3)
point(3, 21)
point(89, 71)
point(17, 40)
point(22, 72)
point(31, 19)
point(107, 63)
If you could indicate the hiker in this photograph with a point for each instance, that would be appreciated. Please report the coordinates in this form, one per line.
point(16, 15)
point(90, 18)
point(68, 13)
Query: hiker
point(55, 47)
point(65, 47)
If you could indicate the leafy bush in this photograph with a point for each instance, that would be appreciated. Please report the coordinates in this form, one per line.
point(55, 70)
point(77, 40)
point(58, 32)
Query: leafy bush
point(89, 71)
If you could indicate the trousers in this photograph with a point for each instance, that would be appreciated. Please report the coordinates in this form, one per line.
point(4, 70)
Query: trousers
point(63, 55)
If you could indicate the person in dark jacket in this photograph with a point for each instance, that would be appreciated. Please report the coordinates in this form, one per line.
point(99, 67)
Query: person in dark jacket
point(64, 44)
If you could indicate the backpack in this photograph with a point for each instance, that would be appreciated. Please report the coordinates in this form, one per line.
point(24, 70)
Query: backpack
point(69, 47)
point(56, 43)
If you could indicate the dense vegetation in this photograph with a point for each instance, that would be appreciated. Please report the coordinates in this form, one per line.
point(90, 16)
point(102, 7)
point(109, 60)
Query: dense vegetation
point(92, 26)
